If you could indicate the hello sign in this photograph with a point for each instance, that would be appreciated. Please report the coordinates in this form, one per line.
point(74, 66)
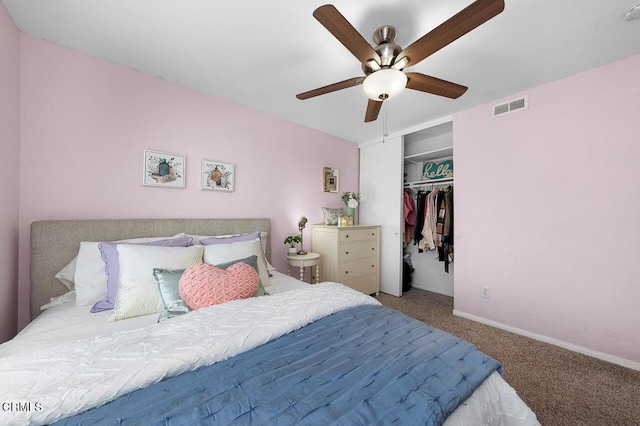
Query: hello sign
point(437, 169)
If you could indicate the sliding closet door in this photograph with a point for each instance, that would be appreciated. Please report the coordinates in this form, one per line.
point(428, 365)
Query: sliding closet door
point(381, 189)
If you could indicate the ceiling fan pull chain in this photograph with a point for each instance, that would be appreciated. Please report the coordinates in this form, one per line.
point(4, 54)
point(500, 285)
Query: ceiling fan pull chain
point(385, 132)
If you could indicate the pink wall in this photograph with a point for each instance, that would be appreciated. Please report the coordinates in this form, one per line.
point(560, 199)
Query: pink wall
point(86, 122)
point(548, 208)
point(10, 171)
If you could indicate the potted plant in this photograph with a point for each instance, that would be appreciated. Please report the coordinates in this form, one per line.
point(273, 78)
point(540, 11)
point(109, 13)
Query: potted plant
point(292, 240)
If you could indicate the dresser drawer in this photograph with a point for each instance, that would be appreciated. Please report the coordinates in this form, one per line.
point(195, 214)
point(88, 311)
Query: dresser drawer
point(350, 235)
point(348, 252)
point(367, 285)
point(351, 270)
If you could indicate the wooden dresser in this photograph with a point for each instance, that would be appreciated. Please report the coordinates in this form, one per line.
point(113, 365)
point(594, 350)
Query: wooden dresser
point(349, 255)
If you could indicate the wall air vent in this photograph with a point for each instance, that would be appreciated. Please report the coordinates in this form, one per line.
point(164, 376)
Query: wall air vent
point(511, 106)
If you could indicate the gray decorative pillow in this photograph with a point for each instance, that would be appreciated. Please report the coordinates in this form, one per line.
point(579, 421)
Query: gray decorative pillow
point(168, 284)
point(332, 216)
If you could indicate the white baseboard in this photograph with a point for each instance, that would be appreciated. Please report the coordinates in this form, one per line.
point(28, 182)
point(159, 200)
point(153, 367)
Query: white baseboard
point(575, 348)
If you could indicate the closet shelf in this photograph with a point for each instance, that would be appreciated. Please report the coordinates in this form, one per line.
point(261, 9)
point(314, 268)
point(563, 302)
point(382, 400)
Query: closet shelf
point(429, 155)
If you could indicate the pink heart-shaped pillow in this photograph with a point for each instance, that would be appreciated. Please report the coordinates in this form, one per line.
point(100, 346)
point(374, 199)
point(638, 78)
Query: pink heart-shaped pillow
point(204, 285)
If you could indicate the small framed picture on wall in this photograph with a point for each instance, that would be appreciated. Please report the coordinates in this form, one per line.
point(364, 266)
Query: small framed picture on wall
point(217, 175)
point(330, 177)
point(164, 169)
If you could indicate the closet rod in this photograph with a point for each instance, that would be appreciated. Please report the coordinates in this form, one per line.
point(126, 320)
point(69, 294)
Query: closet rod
point(431, 183)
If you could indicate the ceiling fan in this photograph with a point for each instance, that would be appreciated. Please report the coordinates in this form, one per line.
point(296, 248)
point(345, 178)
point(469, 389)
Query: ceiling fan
point(383, 65)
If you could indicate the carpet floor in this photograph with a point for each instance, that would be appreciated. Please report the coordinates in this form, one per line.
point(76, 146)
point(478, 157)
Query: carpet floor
point(561, 386)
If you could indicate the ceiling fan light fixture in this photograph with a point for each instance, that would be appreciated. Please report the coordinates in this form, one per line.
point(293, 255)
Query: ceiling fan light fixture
point(384, 84)
point(633, 13)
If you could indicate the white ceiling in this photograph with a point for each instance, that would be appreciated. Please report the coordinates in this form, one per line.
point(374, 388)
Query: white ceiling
point(262, 53)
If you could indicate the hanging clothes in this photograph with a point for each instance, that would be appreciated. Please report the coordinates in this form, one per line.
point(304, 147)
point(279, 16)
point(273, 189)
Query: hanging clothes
point(409, 209)
point(429, 222)
point(441, 212)
point(426, 234)
point(420, 216)
point(445, 228)
point(433, 215)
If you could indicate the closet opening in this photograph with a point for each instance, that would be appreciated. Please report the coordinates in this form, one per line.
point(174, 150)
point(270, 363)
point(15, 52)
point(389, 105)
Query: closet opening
point(428, 209)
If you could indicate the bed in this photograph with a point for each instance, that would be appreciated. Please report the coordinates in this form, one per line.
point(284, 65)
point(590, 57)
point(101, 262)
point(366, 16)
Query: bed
point(303, 354)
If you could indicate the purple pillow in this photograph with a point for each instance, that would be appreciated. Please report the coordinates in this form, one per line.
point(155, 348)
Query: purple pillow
point(112, 267)
point(236, 238)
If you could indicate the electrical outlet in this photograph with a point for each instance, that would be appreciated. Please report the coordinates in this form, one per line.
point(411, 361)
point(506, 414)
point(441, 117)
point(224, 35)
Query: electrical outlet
point(485, 292)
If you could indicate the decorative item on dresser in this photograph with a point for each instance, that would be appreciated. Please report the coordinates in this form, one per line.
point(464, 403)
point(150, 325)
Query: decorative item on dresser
point(350, 256)
point(351, 201)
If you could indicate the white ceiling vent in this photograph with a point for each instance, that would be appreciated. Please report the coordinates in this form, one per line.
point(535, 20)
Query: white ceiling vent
point(511, 106)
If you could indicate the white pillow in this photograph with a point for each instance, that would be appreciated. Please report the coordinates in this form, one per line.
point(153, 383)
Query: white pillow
point(69, 296)
point(226, 252)
point(263, 241)
point(138, 293)
point(65, 276)
point(90, 278)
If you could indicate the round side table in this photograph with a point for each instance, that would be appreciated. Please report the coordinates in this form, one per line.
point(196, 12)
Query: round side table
point(302, 261)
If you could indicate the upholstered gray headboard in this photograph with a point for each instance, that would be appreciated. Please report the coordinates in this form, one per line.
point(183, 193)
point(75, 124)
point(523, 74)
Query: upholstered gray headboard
point(55, 243)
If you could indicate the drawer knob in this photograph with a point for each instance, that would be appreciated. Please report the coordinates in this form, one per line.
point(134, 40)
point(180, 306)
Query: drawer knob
point(346, 252)
point(346, 272)
point(346, 236)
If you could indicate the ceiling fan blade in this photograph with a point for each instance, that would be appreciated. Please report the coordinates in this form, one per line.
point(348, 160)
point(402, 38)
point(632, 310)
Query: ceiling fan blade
point(331, 88)
point(433, 85)
point(474, 15)
point(373, 109)
point(341, 29)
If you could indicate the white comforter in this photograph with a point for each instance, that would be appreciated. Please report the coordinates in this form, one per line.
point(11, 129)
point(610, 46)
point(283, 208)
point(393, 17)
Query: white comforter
point(67, 378)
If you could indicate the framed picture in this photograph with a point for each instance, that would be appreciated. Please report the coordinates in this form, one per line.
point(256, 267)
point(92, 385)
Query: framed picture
point(330, 179)
point(345, 221)
point(164, 169)
point(217, 175)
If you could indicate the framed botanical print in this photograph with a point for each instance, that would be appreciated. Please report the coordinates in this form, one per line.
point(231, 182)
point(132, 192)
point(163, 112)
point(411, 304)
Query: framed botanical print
point(217, 175)
point(164, 169)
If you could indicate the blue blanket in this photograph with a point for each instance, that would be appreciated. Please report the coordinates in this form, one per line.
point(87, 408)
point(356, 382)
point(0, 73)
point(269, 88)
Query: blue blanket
point(363, 366)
